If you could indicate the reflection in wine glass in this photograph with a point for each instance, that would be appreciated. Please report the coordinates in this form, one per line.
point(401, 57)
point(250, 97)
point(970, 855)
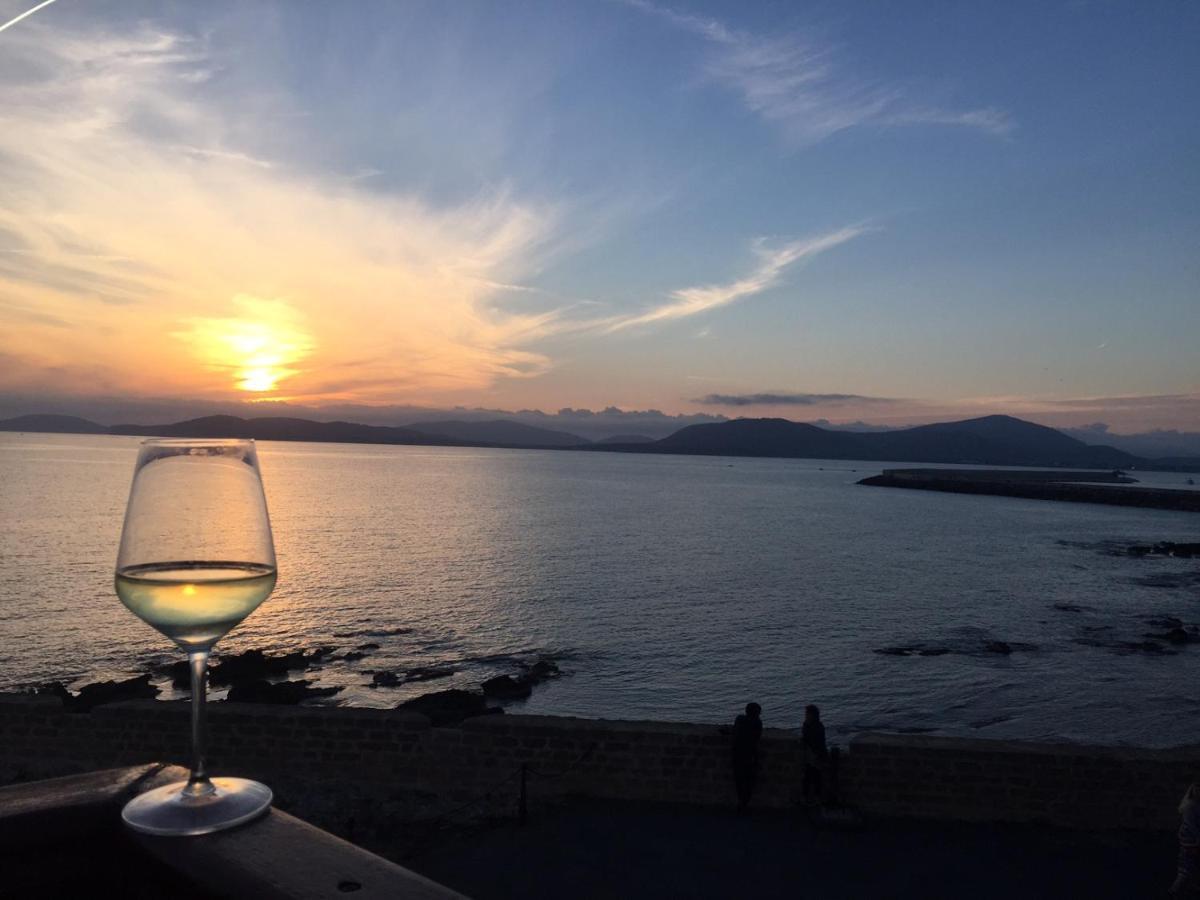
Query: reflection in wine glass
point(196, 558)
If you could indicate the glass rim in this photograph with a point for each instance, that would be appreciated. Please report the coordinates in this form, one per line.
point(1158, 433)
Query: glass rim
point(197, 442)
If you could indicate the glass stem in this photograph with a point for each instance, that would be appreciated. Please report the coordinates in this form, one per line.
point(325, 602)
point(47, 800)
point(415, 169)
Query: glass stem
point(198, 784)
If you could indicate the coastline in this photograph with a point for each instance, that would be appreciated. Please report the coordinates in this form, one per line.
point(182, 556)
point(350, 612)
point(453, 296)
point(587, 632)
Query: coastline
point(350, 434)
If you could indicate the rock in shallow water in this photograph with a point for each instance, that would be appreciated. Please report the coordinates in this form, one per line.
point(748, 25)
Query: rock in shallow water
point(970, 648)
point(1150, 647)
point(250, 665)
point(450, 707)
point(285, 692)
point(505, 687)
point(1070, 607)
point(1177, 636)
point(421, 673)
point(100, 692)
point(545, 668)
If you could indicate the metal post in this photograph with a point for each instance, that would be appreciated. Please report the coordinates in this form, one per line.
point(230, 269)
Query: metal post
point(835, 759)
point(522, 804)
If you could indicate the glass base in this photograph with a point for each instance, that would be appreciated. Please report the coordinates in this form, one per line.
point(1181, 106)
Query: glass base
point(169, 811)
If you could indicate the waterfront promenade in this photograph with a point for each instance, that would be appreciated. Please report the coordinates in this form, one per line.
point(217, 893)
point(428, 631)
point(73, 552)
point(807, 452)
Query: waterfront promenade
point(646, 808)
point(603, 850)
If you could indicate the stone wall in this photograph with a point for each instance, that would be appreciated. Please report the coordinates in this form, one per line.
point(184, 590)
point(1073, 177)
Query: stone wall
point(1012, 781)
point(366, 768)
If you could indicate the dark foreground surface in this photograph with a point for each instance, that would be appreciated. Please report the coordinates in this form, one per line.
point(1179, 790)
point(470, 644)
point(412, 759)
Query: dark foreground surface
point(63, 837)
point(617, 850)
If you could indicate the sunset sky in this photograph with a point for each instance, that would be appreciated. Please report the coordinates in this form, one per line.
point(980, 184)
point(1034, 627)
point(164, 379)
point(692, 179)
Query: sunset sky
point(877, 211)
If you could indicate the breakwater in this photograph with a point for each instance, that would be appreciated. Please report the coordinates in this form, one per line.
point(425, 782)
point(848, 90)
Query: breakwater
point(378, 770)
point(1074, 487)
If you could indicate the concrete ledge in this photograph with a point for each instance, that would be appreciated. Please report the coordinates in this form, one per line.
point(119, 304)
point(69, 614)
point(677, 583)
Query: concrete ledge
point(278, 856)
point(73, 805)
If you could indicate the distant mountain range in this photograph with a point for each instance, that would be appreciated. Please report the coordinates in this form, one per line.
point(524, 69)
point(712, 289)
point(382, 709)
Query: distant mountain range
point(499, 431)
point(53, 425)
point(284, 429)
point(626, 439)
point(990, 440)
point(1150, 444)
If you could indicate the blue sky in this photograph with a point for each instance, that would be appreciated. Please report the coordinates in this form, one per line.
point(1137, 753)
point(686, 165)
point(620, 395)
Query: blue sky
point(891, 212)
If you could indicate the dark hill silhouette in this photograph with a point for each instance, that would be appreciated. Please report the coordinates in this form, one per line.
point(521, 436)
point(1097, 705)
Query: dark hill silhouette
point(499, 431)
point(997, 440)
point(990, 440)
point(283, 429)
point(50, 424)
point(626, 439)
point(758, 437)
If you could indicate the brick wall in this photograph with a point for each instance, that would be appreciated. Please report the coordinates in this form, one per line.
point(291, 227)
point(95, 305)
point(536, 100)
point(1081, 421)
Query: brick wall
point(376, 767)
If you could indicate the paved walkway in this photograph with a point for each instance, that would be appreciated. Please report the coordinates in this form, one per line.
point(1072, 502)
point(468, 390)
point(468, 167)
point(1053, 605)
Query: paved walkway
point(597, 850)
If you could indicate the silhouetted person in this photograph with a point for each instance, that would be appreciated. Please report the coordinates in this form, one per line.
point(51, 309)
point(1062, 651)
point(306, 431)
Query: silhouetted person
point(747, 730)
point(1187, 879)
point(812, 736)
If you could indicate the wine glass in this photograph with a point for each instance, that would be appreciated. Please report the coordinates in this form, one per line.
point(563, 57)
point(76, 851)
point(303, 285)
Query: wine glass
point(196, 558)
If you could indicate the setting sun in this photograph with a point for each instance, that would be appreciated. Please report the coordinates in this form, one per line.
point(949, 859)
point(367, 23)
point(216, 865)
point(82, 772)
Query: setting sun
point(258, 348)
point(260, 379)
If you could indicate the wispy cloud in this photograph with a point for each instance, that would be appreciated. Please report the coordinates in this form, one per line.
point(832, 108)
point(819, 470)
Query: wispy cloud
point(786, 399)
point(772, 262)
point(1128, 402)
point(989, 120)
point(121, 187)
point(798, 84)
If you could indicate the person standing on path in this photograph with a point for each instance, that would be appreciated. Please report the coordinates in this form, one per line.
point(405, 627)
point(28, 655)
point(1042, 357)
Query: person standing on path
point(812, 736)
point(1187, 879)
point(747, 731)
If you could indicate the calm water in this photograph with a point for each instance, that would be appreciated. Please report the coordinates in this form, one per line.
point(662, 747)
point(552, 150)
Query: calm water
point(670, 587)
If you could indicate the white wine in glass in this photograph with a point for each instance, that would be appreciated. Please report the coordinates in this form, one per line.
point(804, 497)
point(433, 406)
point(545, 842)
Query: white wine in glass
point(196, 558)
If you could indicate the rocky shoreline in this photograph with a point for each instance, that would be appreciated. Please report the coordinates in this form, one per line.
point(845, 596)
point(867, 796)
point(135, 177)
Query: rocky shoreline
point(254, 676)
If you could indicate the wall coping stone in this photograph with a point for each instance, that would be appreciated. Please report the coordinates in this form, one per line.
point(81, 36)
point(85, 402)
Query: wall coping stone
point(867, 741)
point(15, 699)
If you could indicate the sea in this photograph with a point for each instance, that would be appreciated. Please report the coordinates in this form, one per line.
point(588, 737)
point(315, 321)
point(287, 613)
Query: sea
point(670, 588)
